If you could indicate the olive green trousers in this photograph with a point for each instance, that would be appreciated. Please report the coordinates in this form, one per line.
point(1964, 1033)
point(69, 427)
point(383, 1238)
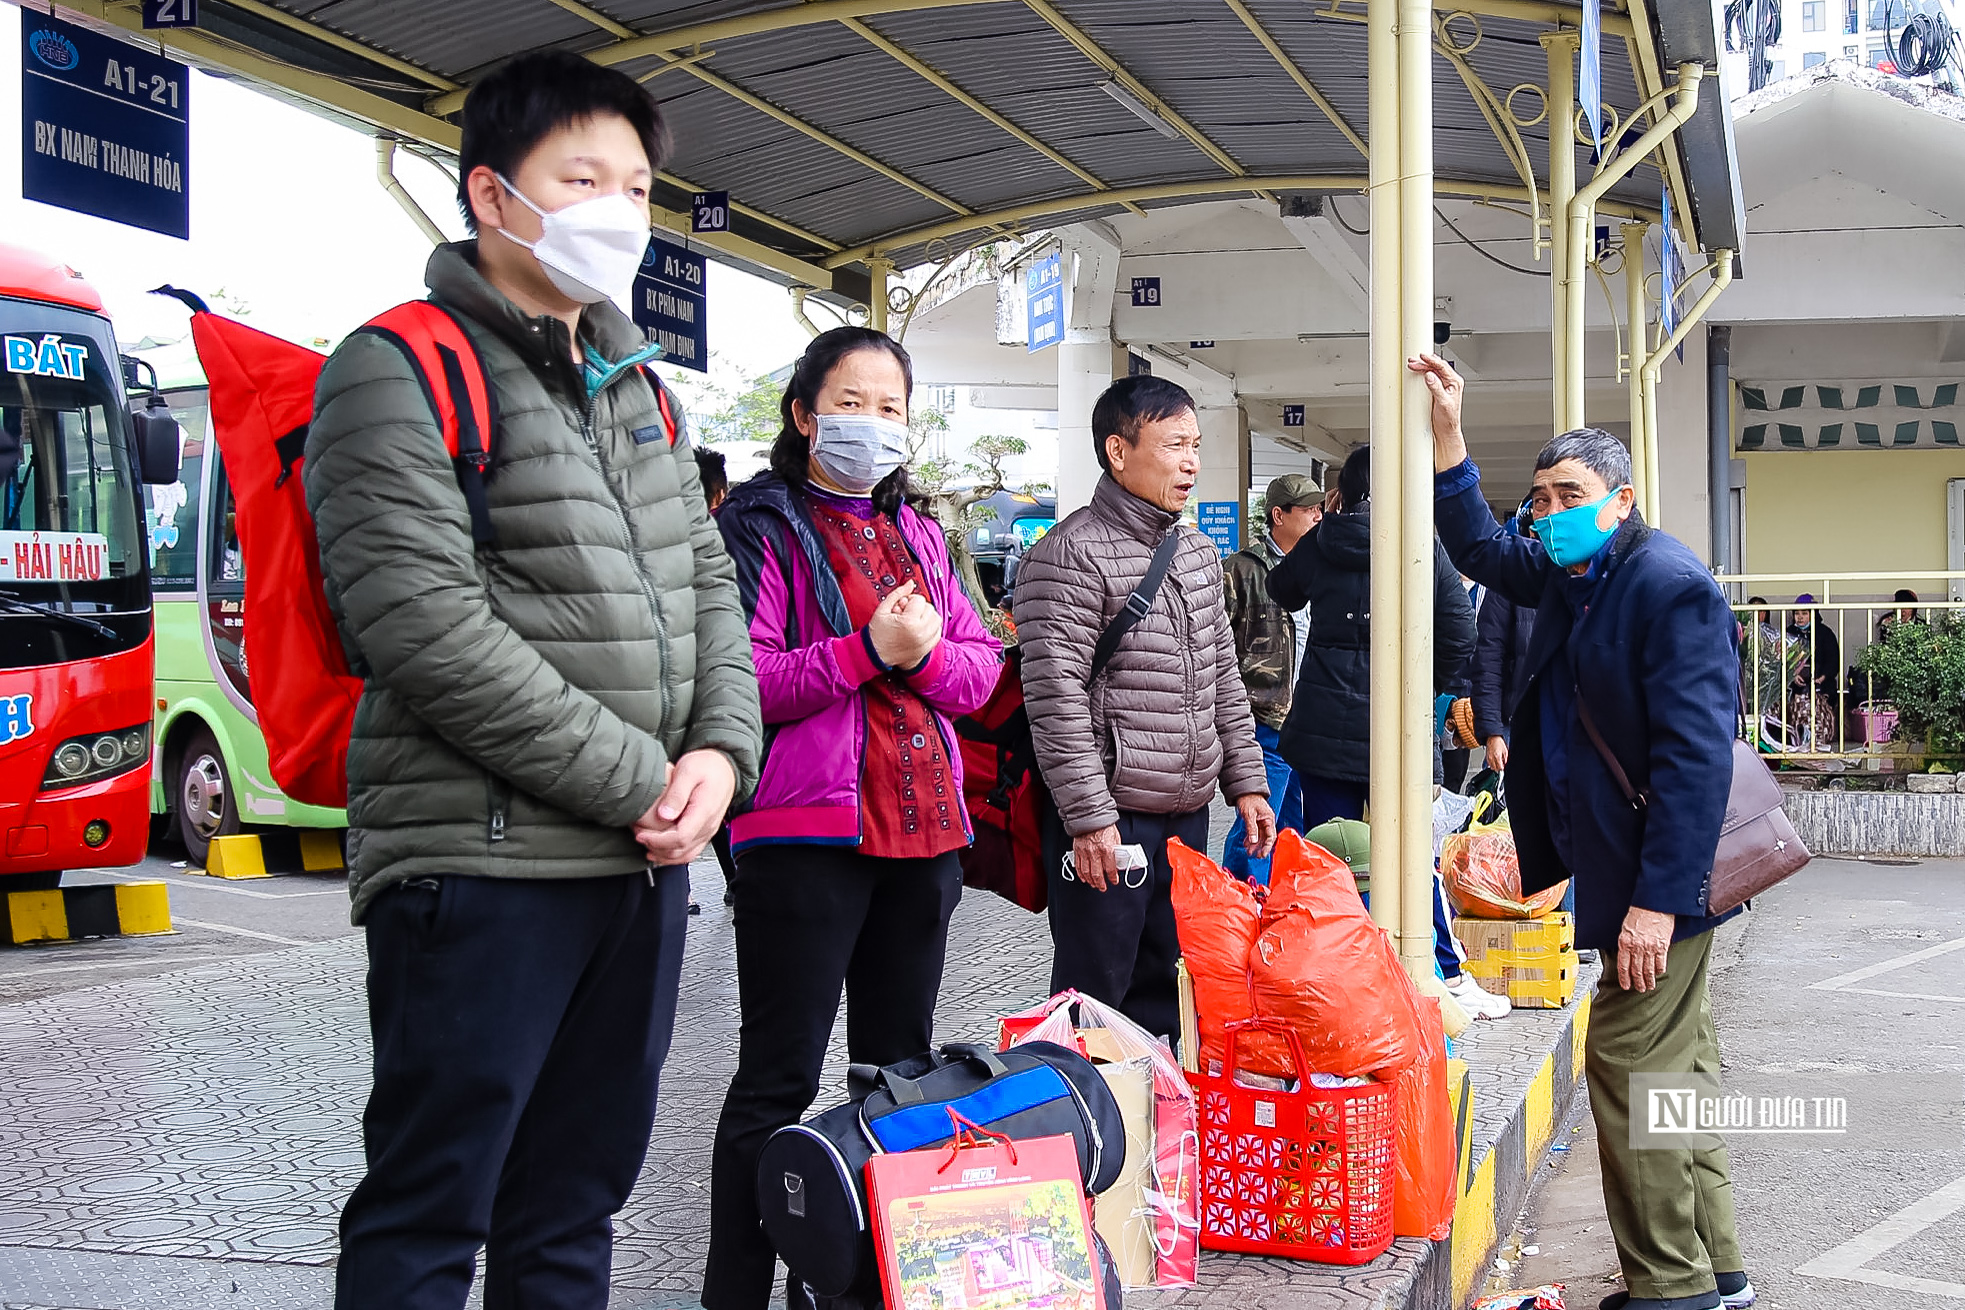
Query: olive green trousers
point(1670, 1210)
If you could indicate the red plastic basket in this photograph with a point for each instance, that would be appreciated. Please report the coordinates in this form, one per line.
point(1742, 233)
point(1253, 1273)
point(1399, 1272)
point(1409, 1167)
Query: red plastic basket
point(1306, 1174)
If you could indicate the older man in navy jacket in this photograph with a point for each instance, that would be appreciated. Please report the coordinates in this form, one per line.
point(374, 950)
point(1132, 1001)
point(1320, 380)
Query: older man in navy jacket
point(1629, 626)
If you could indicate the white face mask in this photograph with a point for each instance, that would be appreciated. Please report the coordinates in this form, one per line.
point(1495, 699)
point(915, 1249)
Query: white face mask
point(857, 450)
point(591, 249)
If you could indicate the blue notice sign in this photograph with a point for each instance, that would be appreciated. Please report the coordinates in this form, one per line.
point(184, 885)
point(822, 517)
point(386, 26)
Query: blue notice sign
point(1292, 416)
point(1146, 292)
point(105, 127)
point(1221, 523)
point(1044, 302)
point(669, 301)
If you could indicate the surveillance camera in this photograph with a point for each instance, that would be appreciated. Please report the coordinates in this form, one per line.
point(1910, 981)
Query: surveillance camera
point(1441, 331)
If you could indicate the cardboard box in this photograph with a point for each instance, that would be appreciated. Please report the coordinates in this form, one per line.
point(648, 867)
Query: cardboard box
point(1533, 980)
point(1481, 937)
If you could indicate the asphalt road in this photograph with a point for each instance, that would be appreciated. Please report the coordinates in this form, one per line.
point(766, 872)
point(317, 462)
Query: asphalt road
point(214, 920)
point(1845, 1224)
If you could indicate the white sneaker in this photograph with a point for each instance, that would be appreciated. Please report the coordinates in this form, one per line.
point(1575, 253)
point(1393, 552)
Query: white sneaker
point(1474, 1000)
point(1739, 1300)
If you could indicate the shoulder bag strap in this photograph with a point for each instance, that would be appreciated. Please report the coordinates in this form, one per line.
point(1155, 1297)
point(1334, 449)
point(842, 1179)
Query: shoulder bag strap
point(1137, 605)
point(1633, 795)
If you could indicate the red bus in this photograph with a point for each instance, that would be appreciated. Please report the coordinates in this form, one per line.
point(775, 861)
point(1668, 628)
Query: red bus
point(76, 665)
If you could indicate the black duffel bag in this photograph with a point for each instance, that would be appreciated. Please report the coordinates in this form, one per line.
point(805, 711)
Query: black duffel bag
point(811, 1176)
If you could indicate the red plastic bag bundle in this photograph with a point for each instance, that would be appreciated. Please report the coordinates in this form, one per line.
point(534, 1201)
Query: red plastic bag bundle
point(1323, 967)
point(1217, 917)
point(1422, 1191)
point(1484, 877)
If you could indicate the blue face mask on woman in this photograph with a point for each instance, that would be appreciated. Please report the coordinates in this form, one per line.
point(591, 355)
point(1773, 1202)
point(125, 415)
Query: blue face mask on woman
point(1572, 536)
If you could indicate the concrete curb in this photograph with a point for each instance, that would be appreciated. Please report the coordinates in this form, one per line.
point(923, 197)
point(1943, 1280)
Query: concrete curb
point(1497, 1185)
point(126, 909)
point(283, 850)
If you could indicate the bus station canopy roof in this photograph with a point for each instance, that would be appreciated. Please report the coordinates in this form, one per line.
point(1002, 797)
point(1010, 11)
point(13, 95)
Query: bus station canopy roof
point(849, 131)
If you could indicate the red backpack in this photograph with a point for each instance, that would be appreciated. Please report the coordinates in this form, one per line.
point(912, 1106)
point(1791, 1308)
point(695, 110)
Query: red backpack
point(262, 399)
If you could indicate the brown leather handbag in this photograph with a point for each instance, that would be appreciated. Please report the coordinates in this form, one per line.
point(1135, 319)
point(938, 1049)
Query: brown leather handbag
point(1757, 845)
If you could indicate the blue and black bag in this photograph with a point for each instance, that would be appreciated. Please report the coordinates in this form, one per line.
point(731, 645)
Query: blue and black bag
point(811, 1176)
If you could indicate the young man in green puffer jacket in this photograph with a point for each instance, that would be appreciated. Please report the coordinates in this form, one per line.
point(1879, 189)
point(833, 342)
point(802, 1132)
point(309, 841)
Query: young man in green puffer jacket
point(551, 725)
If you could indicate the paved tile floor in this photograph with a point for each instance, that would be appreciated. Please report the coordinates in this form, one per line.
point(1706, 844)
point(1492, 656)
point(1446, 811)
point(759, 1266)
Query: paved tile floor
point(186, 1139)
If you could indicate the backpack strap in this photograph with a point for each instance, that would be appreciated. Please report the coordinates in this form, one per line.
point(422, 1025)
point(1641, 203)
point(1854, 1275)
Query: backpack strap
point(672, 417)
point(441, 355)
point(1137, 606)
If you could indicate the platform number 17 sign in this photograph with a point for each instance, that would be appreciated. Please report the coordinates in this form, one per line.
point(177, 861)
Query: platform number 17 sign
point(170, 13)
point(1146, 291)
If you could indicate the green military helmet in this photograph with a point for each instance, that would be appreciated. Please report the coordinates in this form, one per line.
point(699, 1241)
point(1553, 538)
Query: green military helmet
point(1350, 841)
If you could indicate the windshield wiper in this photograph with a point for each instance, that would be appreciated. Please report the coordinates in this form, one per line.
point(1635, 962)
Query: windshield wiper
point(13, 604)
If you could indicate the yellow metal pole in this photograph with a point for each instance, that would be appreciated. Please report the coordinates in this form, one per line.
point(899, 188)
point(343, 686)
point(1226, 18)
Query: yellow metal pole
point(1387, 396)
point(1722, 278)
point(1415, 447)
point(1561, 47)
point(1631, 242)
point(385, 173)
point(878, 269)
point(1583, 205)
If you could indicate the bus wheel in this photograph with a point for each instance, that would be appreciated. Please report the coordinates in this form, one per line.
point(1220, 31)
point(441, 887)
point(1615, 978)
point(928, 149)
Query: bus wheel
point(206, 807)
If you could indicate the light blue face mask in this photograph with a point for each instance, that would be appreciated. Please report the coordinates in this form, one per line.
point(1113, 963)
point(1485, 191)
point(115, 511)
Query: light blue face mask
point(1572, 536)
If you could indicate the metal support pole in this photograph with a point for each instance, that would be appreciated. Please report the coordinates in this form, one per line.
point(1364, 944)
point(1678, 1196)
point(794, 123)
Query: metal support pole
point(385, 173)
point(1387, 396)
point(1583, 205)
point(1631, 238)
point(1561, 47)
point(1719, 446)
point(1722, 278)
point(878, 270)
point(1415, 449)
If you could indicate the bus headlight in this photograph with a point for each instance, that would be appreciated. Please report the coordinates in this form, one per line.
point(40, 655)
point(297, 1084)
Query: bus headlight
point(96, 756)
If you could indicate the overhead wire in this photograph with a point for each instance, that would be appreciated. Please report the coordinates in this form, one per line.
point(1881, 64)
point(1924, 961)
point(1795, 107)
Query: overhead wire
point(1330, 207)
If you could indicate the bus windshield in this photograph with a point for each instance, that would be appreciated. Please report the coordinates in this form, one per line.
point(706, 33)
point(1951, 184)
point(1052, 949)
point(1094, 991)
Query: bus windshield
point(72, 566)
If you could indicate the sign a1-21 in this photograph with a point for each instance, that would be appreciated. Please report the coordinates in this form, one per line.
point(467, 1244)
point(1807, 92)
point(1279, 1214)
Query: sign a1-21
point(1146, 291)
point(170, 13)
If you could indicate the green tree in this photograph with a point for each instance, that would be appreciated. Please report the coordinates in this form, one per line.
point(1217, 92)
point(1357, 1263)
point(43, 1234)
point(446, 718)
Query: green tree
point(748, 415)
point(954, 492)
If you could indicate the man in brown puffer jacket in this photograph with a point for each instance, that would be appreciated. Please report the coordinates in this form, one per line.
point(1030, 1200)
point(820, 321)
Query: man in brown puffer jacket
point(1132, 758)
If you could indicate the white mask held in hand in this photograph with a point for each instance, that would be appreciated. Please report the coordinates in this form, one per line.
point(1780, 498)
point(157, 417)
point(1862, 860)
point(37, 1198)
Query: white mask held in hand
point(591, 249)
point(857, 450)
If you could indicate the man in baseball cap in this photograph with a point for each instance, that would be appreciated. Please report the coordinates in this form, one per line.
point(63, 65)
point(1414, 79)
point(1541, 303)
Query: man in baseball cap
point(1269, 642)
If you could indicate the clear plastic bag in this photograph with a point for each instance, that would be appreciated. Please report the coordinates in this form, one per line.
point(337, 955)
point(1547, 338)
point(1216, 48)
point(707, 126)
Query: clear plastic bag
point(1150, 1218)
point(1483, 874)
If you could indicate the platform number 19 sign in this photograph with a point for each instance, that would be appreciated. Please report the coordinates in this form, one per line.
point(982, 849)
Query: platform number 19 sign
point(1146, 292)
point(170, 13)
point(709, 211)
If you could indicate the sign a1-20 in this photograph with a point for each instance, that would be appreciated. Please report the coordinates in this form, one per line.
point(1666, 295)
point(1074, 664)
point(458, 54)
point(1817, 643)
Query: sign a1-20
point(709, 211)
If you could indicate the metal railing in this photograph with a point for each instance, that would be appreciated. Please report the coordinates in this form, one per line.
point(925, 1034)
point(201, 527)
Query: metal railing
point(1810, 704)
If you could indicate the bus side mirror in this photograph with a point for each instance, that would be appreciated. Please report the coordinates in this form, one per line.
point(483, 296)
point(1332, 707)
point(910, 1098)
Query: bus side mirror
point(157, 442)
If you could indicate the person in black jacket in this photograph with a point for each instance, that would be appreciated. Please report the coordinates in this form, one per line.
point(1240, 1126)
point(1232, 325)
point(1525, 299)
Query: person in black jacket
point(1327, 737)
point(1630, 629)
point(1502, 633)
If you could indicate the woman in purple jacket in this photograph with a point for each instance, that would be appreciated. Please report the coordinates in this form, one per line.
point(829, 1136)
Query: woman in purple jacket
point(847, 855)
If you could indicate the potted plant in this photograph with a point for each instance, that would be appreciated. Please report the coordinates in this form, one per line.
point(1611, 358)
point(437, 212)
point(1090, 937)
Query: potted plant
point(1923, 665)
